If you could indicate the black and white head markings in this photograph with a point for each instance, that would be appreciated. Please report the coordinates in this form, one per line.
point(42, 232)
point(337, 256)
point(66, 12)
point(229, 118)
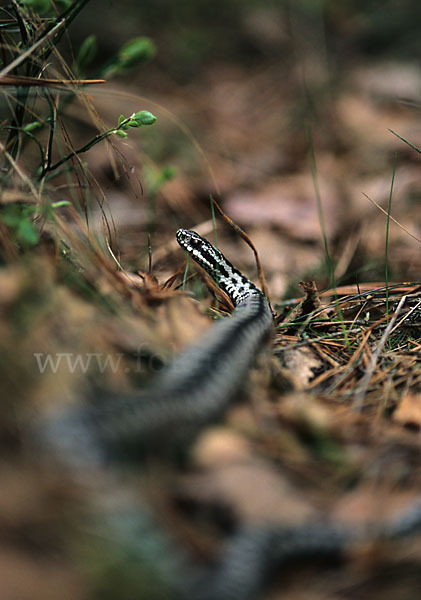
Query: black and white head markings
point(228, 278)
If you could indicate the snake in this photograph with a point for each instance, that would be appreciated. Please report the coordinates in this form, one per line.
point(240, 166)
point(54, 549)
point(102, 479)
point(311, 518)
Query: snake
point(194, 390)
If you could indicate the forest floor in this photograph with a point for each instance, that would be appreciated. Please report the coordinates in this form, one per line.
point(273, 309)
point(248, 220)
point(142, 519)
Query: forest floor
point(329, 424)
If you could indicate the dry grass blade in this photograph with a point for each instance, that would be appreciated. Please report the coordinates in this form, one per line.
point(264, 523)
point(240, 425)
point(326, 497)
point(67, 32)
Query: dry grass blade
point(22, 57)
point(365, 316)
point(22, 175)
point(20, 80)
point(391, 218)
point(248, 241)
point(361, 390)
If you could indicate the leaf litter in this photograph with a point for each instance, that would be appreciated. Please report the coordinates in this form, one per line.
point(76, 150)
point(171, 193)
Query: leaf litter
point(314, 441)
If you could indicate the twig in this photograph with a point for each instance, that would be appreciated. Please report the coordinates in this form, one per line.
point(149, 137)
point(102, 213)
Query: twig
point(248, 241)
point(391, 218)
point(408, 314)
point(19, 59)
point(21, 174)
point(361, 390)
point(22, 81)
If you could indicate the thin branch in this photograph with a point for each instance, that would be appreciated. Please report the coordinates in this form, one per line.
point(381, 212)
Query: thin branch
point(22, 57)
point(391, 218)
point(18, 170)
point(24, 81)
point(361, 390)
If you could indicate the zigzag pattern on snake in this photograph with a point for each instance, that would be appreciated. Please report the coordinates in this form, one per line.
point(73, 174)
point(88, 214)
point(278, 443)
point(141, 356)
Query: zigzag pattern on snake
point(196, 389)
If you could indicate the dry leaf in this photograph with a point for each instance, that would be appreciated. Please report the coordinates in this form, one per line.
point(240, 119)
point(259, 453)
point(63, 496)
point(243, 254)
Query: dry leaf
point(303, 364)
point(409, 410)
point(289, 203)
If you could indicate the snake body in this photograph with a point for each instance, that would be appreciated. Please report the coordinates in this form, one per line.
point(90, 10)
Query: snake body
point(198, 386)
point(194, 390)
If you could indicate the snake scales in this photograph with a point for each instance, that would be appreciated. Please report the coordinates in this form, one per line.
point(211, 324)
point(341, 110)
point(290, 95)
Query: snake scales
point(193, 391)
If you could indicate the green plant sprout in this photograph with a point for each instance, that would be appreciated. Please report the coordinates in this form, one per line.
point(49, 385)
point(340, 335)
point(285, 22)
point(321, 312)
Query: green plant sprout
point(131, 54)
point(139, 119)
point(85, 56)
point(41, 7)
point(20, 220)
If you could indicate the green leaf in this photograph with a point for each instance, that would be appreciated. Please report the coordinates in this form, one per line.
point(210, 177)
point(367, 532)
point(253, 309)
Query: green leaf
point(86, 54)
point(133, 53)
point(38, 6)
point(136, 51)
point(27, 233)
point(32, 126)
point(63, 4)
point(121, 134)
point(168, 173)
point(19, 219)
point(11, 216)
point(143, 117)
point(121, 118)
point(60, 203)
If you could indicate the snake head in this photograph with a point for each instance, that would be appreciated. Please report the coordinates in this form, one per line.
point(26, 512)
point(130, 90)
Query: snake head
point(202, 251)
point(227, 277)
point(189, 240)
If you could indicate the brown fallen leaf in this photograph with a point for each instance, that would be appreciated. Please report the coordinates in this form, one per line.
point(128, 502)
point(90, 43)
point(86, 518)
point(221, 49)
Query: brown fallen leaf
point(409, 410)
point(303, 364)
point(232, 476)
point(28, 578)
point(288, 203)
point(305, 410)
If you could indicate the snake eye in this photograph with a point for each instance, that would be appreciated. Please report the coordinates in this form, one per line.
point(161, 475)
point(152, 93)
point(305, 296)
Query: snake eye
point(187, 238)
point(183, 237)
